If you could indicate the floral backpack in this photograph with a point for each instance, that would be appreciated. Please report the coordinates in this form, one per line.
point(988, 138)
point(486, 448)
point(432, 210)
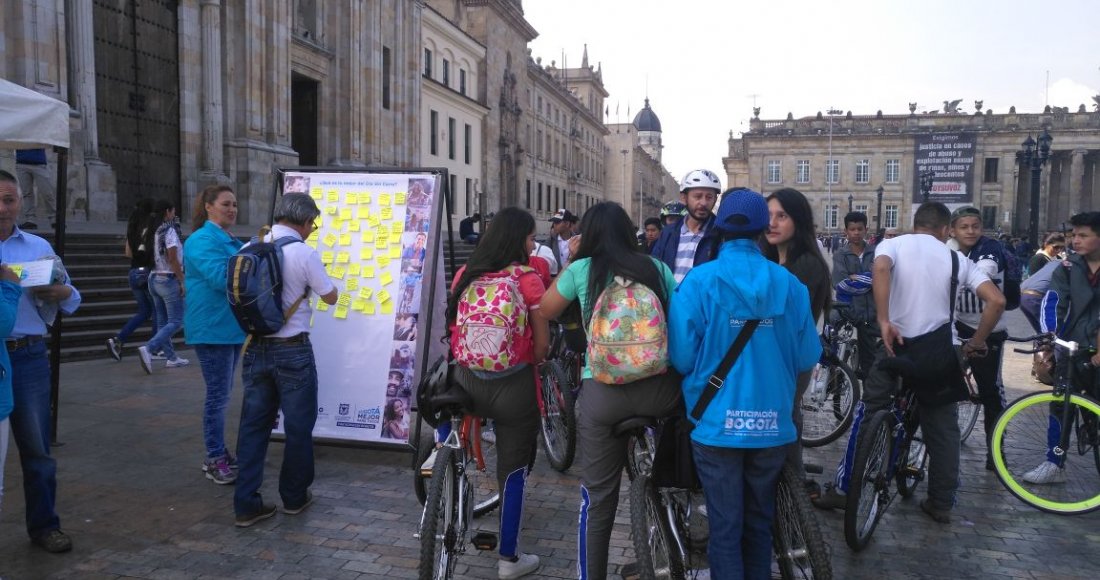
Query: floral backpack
point(491, 315)
point(627, 334)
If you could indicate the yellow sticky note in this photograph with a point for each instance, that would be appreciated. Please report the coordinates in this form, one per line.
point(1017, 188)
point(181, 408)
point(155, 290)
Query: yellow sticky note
point(312, 244)
point(386, 308)
point(387, 213)
point(366, 253)
point(362, 212)
point(358, 305)
point(385, 278)
point(330, 239)
point(312, 237)
point(330, 209)
point(353, 226)
point(351, 198)
point(365, 292)
point(337, 225)
point(328, 271)
point(344, 299)
point(373, 221)
point(397, 227)
point(367, 236)
point(345, 239)
point(368, 271)
point(383, 296)
point(328, 257)
point(353, 283)
point(339, 272)
point(316, 192)
point(383, 230)
point(395, 252)
point(341, 312)
point(333, 195)
point(383, 199)
point(364, 198)
point(353, 269)
point(345, 213)
point(383, 261)
point(395, 239)
point(322, 306)
point(343, 257)
point(369, 308)
point(382, 242)
point(399, 198)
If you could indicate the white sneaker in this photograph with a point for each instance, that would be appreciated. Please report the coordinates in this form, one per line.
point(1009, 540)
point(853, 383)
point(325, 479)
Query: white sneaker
point(429, 464)
point(524, 565)
point(179, 361)
point(1047, 472)
point(159, 356)
point(146, 359)
point(489, 436)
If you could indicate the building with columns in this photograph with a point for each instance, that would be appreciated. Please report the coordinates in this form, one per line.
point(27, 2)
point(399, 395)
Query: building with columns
point(834, 159)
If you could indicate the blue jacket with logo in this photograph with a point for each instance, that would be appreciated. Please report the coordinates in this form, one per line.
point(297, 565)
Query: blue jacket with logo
point(708, 310)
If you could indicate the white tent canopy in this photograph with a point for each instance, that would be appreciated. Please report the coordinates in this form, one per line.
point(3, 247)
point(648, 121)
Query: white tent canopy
point(30, 120)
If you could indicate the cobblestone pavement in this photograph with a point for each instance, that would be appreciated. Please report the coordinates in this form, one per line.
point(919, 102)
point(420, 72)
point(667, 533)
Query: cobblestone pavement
point(133, 498)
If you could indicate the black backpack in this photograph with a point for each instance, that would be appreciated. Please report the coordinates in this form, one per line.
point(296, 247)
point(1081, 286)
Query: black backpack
point(254, 286)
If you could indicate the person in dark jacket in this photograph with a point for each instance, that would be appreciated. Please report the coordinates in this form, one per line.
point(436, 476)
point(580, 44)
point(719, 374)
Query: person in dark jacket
point(692, 240)
point(466, 229)
point(851, 277)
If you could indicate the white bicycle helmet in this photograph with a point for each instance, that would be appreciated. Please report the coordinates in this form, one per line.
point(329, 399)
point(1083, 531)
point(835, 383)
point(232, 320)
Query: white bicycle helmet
point(701, 178)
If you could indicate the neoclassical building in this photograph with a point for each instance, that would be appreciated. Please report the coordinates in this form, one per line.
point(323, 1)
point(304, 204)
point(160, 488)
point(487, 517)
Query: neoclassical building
point(636, 176)
point(834, 159)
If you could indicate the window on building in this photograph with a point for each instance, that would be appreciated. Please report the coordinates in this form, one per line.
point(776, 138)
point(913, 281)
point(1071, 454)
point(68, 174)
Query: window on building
point(557, 198)
point(538, 143)
point(991, 164)
point(540, 198)
point(428, 62)
point(832, 171)
point(528, 194)
point(469, 196)
point(433, 139)
point(860, 207)
point(989, 217)
point(450, 138)
point(462, 80)
point(803, 171)
point(863, 171)
point(453, 192)
point(386, 71)
point(890, 217)
point(774, 169)
point(446, 72)
point(539, 109)
point(466, 136)
point(832, 216)
point(893, 170)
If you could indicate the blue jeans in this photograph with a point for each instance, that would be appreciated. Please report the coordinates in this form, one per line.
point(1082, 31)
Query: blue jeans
point(139, 286)
point(740, 489)
point(276, 376)
point(219, 364)
point(30, 426)
point(169, 305)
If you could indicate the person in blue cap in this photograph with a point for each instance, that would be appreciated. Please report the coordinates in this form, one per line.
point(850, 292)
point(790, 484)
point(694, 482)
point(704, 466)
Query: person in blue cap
point(740, 441)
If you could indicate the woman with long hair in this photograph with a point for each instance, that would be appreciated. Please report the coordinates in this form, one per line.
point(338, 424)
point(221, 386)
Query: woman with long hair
point(506, 395)
point(141, 264)
point(209, 324)
point(395, 420)
point(608, 249)
point(790, 241)
point(166, 286)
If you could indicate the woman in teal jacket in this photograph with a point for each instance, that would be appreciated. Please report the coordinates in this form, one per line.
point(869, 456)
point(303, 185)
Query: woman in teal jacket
point(208, 323)
point(10, 291)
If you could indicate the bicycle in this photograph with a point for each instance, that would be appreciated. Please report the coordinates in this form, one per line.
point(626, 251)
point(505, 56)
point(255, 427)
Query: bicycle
point(557, 382)
point(1026, 432)
point(830, 398)
point(462, 487)
point(669, 526)
point(971, 407)
point(887, 436)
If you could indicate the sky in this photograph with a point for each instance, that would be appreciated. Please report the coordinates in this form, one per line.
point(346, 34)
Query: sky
point(703, 63)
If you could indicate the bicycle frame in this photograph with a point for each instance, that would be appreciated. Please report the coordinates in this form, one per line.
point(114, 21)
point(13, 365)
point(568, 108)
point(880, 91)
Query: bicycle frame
point(1064, 387)
point(902, 408)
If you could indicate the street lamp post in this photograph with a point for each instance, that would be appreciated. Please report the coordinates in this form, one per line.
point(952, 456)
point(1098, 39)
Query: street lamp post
point(1034, 155)
point(849, 203)
point(626, 188)
point(878, 218)
point(927, 178)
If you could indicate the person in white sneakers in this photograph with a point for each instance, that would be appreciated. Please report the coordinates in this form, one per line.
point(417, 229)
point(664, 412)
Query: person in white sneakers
point(166, 286)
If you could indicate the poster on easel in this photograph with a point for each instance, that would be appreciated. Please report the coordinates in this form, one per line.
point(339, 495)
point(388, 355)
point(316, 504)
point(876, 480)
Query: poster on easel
point(378, 237)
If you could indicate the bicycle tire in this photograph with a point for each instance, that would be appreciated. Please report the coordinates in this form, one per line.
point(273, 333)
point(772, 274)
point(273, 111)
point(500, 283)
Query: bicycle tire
point(968, 409)
point(441, 534)
point(868, 492)
point(915, 468)
point(654, 546)
point(800, 548)
point(420, 481)
point(1025, 423)
point(825, 420)
point(483, 483)
point(558, 421)
point(1088, 438)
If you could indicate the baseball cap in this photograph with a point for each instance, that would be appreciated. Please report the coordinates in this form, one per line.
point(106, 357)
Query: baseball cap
point(563, 215)
point(742, 210)
point(967, 211)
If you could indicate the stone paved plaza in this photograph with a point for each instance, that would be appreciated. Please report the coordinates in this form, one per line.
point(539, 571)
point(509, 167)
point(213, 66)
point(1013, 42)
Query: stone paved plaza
point(136, 504)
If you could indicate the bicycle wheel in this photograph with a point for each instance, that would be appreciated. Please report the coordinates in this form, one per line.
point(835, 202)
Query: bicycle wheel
point(915, 466)
point(442, 533)
point(826, 415)
point(968, 410)
point(800, 549)
point(483, 482)
point(1021, 440)
point(869, 490)
point(1088, 437)
point(420, 481)
point(558, 421)
point(654, 546)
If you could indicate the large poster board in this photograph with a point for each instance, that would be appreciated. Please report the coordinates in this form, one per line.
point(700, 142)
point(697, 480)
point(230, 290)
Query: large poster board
point(951, 156)
point(379, 238)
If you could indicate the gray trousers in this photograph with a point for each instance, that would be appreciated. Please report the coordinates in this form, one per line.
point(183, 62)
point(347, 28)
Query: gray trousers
point(36, 181)
point(602, 455)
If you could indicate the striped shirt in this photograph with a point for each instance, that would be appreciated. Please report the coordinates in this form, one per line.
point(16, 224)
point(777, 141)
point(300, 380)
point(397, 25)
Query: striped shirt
point(968, 307)
point(685, 252)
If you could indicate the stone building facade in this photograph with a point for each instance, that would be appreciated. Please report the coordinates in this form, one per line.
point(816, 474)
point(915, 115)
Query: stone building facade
point(636, 177)
point(832, 159)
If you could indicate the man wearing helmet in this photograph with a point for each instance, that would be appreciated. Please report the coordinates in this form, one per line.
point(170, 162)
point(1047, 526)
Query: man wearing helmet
point(692, 240)
point(671, 213)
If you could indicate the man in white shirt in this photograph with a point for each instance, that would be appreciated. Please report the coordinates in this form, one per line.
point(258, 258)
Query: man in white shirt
point(561, 229)
point(910, 301)
point(280, 373)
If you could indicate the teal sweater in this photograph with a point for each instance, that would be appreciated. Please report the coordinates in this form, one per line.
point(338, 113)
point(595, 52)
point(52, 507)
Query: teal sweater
point(206, 317)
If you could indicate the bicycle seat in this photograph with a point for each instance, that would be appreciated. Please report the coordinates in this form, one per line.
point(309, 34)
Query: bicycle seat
point(629, 424)
point(455, 398)
point(898, 365)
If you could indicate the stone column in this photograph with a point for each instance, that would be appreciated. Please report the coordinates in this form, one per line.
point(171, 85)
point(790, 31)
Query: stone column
point(99, 182)
point(277, 75)
point(212, 117)
point(1082, 199)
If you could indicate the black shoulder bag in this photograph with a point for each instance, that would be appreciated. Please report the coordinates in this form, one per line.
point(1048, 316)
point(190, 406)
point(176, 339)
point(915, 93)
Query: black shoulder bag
point(673, 463)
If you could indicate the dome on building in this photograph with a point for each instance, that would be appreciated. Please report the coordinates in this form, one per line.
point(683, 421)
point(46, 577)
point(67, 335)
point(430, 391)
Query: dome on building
point(646, 119)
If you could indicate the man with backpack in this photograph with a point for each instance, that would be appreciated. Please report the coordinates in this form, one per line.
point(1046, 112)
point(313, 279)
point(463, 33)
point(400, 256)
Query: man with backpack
point(280, 372)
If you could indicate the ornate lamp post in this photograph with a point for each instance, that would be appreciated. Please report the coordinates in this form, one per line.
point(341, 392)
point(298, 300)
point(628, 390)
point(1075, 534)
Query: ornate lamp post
point(878, 218)
point(849, 203)
point(927, 178)
point(1034, 155)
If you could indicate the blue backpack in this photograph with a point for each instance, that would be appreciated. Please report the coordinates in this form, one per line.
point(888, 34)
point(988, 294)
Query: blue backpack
point(254, 286)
